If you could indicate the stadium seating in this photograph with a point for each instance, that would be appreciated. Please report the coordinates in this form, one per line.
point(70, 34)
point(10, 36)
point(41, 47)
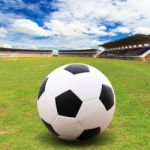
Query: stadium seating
point(81, 52)
point(13, 52)
point(125, 52)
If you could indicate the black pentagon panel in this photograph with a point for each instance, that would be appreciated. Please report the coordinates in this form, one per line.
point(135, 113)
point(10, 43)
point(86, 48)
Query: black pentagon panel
point(68, 104)
point(42, 88)
point(50, 128)
point(107, 97)
point(77, 68)
point(86, 134)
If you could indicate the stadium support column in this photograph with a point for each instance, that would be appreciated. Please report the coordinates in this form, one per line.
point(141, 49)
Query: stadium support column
point(132, 46)
point(143, 45)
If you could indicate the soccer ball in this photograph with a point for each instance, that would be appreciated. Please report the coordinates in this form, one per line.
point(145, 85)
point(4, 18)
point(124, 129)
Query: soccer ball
point(76, 102)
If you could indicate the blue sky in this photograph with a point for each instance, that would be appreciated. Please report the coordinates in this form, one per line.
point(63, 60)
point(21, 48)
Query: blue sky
point(70, 24)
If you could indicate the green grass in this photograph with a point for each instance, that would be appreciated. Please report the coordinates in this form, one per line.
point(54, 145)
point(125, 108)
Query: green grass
point(21, 128)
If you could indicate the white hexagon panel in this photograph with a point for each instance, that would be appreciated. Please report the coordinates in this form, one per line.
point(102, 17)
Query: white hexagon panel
point(67, 128)
point(47, 108)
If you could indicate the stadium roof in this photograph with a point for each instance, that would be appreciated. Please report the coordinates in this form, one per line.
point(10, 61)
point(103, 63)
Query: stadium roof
point(131, 40)
point(23, 50)
point(79, 50)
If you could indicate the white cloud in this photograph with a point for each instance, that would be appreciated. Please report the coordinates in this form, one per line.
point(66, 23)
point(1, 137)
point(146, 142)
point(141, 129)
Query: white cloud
point(96, 16)
point(6, 46)
point(74, 43)
point(20, 4)
point(3, 32)
point(27, 45)
point(8, 18)
point(130, 13)
point(121, 30)
point(29, 27)
point(143, 30)
point(63, 42)
point(102, 27)
point(58, 27)
point(13, 4)
point(74, 28)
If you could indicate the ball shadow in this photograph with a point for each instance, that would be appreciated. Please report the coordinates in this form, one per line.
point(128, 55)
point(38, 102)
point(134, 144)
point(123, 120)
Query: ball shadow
point(47, 138)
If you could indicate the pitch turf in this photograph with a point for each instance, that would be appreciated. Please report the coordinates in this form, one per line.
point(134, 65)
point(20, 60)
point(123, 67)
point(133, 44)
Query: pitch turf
point(21, 128)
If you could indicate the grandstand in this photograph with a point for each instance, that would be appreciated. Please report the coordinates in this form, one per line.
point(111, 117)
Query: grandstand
point(80, 52)
point(133, 47)
point(11, 52)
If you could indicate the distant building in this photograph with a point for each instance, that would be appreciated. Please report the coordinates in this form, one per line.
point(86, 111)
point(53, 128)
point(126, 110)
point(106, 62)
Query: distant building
point(55, 53)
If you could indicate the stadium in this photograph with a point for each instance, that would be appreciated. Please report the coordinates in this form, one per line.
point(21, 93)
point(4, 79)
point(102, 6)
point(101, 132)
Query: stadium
point(135, 47)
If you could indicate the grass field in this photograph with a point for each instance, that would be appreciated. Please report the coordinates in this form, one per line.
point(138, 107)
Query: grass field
point(21, 128)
